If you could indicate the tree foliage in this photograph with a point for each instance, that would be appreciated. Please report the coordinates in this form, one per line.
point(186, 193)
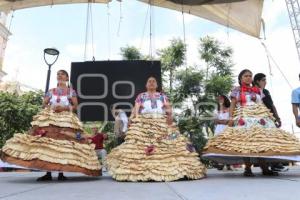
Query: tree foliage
point(217, 57)
point(197, 87)
point(131, 53)
point(16, 112)
point(192, 127)
point(171, 58)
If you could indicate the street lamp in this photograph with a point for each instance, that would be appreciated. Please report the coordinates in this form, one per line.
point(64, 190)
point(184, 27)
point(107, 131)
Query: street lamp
point(54, 53)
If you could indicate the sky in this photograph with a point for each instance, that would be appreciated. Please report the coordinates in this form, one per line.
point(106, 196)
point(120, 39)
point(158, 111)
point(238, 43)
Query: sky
point(64, 27)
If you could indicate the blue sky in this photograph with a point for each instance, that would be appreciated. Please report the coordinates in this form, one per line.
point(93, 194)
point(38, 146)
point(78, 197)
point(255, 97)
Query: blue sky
point(64, 27)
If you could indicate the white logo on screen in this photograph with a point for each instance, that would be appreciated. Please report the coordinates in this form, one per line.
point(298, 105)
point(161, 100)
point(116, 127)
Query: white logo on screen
point(104, 94)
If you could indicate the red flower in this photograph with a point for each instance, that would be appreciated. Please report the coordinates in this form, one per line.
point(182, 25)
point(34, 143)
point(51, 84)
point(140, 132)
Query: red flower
point(149, 150)
point(241, 122)
point(262, 122)
point(253, 97)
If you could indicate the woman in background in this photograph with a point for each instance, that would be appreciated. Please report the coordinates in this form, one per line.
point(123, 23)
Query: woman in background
point(222, 118)
point(221, 121)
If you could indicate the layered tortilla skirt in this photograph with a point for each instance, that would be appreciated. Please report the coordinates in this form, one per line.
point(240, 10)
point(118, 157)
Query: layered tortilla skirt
point(54, 143)
point(154, 152)
point(253, 136)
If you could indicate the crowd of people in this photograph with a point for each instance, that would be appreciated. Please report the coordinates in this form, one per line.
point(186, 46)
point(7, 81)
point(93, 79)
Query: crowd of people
point(150, 146)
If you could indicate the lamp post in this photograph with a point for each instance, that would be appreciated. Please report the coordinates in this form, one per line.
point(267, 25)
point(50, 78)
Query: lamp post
point(53, 53)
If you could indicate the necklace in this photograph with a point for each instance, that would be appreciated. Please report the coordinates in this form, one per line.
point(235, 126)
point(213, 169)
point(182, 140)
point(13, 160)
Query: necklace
point(60, 92)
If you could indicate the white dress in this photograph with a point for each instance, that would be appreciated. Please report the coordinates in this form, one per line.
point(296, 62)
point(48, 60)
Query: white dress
point(221, 127)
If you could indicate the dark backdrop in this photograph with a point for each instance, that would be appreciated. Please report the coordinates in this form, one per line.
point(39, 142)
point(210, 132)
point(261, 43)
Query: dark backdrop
point(102, 85)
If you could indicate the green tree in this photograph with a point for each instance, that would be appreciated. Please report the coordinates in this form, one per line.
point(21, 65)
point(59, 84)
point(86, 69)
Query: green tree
point(190, 86)
point(131, 53)
point(218, 58)
point(217, 84)
point(197, 88)
point(191, 92)
point(171, 58)
point(192, 127)
point(16, 112)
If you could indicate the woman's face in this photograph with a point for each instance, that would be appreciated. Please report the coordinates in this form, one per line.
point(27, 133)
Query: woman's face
point(262, 83)
point(151, 84)
point(246, 78)
point(221, 100)
point(62, 77)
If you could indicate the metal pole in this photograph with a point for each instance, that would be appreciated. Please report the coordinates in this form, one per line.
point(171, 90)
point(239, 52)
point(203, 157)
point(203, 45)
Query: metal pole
point(48, 79)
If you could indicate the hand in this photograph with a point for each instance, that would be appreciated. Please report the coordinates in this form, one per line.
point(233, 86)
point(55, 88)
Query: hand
point(122, 135)
point(105, 136)
point(298, 122)
point(132, 116)
point(216, 121)
point(89, 140)
point(47, 106)
point(230, 123)
point(59, 109)
point(221, 121)
point(278, 123)
point(169, 120)
point(129, 122)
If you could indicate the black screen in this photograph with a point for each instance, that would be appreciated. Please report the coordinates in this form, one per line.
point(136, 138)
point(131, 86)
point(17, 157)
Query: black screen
point(102, 85)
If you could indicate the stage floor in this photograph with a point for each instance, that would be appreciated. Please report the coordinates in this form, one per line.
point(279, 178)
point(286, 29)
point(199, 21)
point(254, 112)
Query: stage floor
point(219, 185)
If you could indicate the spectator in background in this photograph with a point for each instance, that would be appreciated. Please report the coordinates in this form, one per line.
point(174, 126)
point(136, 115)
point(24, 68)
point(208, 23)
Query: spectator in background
point(221, 121)
point(260, 81)
point(121, 125)
point(222, 115)
point(98, 139)
point(296, 103)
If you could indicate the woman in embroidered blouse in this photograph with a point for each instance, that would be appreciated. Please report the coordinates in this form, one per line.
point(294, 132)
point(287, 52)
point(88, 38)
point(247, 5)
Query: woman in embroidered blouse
point(59, 99)
point(153, 149)
point(252, 136)
point(56, 141)
point(245, 95)
point(62, 98)
point(152, 101)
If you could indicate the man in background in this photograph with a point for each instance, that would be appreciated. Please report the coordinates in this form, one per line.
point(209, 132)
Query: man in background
point(121, 125)
point(296, 103)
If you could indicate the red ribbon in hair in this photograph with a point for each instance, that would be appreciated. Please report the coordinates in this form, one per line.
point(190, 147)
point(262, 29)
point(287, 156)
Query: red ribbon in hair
point(244, 88)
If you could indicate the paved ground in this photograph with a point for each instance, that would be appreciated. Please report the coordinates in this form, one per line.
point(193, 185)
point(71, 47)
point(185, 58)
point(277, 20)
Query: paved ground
point(219, 185)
